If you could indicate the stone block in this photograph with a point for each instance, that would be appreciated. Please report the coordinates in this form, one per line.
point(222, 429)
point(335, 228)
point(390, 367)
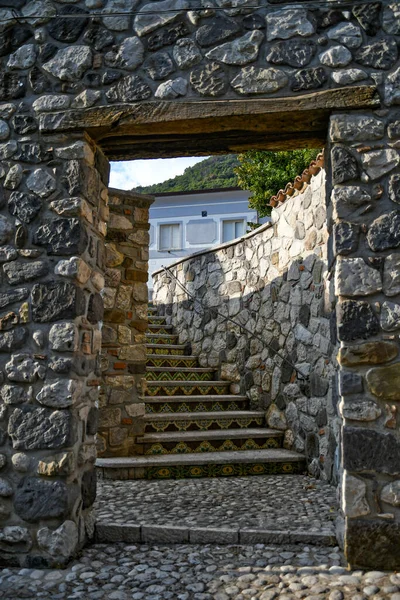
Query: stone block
point(354, 277)
point(354, 501)
point(362, 410)
point(113, 533)
point(384, 382)
point(383, 233)
point(350, 383)
point(56, 301)
point(373, 542)
point(60, 394)
point(15, 539)
point(63, 337)
point(345, 236)
point(39, 428)
point(354, 128)
point(356, 320)
point(367, 353)
point(369, 450)
point(61, 542)
point(263, 536)
point(391, 275)
point(164, 534)
point(209, 535)
point(110, 417)
point(36, 499)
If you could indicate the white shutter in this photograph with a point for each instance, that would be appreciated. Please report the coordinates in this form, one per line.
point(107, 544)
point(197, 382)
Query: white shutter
point(170, 237)
point(164, 237)
point(228, 231)
point(175, 237)
point(238, 229)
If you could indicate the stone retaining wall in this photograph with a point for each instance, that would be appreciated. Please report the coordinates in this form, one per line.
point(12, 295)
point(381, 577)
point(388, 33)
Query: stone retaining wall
point(79, 80)
point(125, 322)
point(275, 283)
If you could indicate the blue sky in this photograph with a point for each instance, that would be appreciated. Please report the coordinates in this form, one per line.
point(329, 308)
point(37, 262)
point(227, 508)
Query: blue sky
point(126, 175)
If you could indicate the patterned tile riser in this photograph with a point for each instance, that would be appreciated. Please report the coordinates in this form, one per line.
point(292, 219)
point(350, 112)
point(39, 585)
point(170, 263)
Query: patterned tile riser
point(171, 351)
point(152, 320)
point(186, 390)
point(179, 376)
point(171, 339)
point(228, 470)
point(160, 329)
point(206, 446)
point(203, 424)
point(174, 407)
point(187, 363)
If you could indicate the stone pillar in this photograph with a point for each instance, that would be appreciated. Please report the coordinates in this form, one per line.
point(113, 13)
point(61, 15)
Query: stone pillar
point(366, 232)
point(53, 219)
point(125, 323)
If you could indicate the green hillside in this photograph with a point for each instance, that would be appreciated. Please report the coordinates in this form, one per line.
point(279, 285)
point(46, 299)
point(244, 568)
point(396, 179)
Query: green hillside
point(213, 172)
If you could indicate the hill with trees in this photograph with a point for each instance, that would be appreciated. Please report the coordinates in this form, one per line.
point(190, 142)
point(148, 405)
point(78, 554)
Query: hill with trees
point(213, 172)
point(263, 173)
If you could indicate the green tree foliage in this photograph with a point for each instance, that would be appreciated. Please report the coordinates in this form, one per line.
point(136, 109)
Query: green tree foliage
point(213, 172)
point(264, 173)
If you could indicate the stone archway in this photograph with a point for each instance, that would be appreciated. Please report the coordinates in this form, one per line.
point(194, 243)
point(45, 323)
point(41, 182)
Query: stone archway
point(70, 101)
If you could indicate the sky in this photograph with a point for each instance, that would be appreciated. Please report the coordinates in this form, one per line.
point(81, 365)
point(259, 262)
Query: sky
point(127, 175)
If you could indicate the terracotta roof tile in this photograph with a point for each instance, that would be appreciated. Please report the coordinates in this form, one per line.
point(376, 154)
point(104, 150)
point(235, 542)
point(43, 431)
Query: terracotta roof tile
point(299, 183)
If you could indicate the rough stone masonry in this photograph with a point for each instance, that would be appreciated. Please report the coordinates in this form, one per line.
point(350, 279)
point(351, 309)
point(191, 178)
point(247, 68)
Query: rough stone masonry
point(68, 69)
point(275, 282)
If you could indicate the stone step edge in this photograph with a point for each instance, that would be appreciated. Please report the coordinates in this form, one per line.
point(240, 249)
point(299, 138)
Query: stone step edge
point(210, 434)
point(106, 532)
point(180, 382)
point(205, 415)
point(205, 398)
point(182, 370)
point(173, 356)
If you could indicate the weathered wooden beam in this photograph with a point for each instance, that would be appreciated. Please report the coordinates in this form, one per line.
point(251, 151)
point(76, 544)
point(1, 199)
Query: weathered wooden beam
point(204, 145)
point(177, 128)
point(122, 115)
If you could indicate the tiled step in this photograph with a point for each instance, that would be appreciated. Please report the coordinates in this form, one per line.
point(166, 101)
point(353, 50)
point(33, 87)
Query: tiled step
point(179, 374)
point(160, 328)
point(186, 388)
point(228, 440)
point(151, 309)
point(174, 404)
point(214, 464)
point(155, 320)
point(165, 360)
point(170, 349)
point(202, 421)
point(161, 338)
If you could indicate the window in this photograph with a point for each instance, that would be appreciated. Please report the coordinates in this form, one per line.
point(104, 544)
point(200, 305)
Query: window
point(232, 229)
point(170, 237)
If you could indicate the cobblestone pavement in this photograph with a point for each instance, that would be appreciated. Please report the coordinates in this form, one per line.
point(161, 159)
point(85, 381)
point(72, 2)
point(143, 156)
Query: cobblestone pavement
point(278, 502)
point(128, 572)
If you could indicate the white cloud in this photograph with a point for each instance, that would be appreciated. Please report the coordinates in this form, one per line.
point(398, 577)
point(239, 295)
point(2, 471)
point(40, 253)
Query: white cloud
point(127, 175)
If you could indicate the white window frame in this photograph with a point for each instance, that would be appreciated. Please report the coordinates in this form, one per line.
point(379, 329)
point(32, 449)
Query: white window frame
point(232, 220)
point(160, 225)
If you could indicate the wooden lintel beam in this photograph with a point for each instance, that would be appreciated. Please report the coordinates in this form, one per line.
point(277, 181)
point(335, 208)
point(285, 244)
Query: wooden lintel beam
point(98, 120)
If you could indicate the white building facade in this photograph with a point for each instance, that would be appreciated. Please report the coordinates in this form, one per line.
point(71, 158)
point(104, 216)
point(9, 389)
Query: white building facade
point(182, 223)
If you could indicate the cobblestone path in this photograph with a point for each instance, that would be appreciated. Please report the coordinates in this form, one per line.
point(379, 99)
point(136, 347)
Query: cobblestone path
point(184, 572)
point(251, 502)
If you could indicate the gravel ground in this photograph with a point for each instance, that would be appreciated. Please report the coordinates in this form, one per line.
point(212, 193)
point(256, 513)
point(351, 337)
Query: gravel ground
point(278, 502)
point(128, 572)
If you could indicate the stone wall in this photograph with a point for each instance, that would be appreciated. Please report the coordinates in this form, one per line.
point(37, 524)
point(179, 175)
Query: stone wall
point(125, 322)
point(165, 50)
point(274, 282)
point(79, 73)
point(54, 202)
point(365, 199)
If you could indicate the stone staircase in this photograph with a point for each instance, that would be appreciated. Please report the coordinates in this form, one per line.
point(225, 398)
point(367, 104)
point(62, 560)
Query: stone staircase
point(194, 426)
